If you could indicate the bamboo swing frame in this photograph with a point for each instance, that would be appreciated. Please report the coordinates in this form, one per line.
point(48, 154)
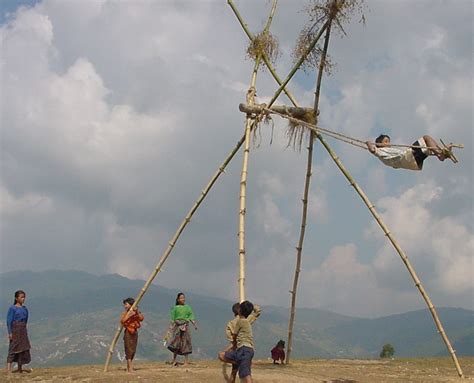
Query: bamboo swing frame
point(250, 123)
point(367, 202)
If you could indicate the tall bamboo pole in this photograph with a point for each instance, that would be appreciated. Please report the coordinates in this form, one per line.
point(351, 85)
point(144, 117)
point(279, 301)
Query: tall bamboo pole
point(172, 243)
point(249, 123)
point(250, 100)
point(300, 61)
point(399, 250)
point(368, 204)
point(299, 248)
point(272, 101)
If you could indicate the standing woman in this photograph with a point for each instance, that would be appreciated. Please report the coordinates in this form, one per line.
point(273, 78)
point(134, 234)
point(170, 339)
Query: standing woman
point(181, 314)
point(17, 317)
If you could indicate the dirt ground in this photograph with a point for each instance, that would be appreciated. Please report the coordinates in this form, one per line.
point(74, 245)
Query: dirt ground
point(317, 370)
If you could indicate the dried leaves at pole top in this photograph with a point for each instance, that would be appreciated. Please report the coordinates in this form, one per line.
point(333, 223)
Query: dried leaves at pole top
point(319, 11)
point(296, 133)
point(339, 12)
point(266, 43)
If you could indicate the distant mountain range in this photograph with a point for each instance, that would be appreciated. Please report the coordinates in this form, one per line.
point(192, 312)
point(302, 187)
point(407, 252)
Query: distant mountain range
point(73, 316)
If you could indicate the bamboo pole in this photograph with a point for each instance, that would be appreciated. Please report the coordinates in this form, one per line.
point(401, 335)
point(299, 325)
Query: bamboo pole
point(243, 185)
point(267, 60)
point(399, 250)
point(299, 248)
point(249, 123)
point(173, 241)
point(300, 61)
point(183, 225)
point(368, 204)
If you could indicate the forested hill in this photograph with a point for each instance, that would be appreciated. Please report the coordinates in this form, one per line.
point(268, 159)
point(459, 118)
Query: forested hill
point(73, 316)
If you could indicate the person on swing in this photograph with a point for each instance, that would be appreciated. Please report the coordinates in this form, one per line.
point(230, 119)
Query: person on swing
point(405, 158)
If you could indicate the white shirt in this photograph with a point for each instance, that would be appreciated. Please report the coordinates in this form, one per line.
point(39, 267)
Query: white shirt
point(397, 157)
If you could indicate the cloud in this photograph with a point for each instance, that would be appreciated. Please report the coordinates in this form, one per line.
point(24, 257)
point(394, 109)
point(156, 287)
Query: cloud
point(318, 206)
point(342, 280)
point(440, 249)
point(116, 114)
point(440, 246)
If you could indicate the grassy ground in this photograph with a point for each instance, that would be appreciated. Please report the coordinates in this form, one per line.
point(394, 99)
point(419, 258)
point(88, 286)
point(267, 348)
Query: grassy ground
point(319, 370)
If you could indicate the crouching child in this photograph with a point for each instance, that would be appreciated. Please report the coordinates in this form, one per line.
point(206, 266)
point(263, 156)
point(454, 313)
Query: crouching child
point(278, 352)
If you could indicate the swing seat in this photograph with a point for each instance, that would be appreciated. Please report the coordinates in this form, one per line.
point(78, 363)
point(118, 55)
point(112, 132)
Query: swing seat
point(448, 151)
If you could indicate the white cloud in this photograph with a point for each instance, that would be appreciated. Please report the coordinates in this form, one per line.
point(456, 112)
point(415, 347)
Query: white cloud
point(11, 205)
point(271, 218)
point(115, 115)
point(377, 180)
point(318, 206)
point(442, 247)
point(342, 281)
point(272, 184)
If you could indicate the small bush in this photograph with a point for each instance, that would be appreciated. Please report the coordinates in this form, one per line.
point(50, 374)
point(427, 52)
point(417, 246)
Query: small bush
point(387, 351)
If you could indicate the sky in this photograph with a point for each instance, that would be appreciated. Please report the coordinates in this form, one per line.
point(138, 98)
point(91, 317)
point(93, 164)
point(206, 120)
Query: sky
point(116, 114)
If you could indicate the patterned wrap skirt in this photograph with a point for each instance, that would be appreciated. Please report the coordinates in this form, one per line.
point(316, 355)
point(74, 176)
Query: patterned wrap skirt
point(130, 342)
point(180, 341)
point(19, 348)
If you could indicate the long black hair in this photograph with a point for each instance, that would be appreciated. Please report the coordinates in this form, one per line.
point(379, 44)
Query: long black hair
point(177, 298)
point(17, 294)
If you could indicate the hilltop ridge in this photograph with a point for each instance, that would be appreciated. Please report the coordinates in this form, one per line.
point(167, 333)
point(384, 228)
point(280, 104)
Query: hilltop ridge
point(73, 316)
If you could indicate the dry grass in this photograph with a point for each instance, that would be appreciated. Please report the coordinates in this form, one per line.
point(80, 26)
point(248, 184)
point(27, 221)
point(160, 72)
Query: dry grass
point(296, 135)
point(264, 43)
point(296, 132)
point(318, 370)
point(319, 11)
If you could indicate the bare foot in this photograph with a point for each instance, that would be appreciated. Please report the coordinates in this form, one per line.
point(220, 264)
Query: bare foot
point(441, 156)
point(438, 153)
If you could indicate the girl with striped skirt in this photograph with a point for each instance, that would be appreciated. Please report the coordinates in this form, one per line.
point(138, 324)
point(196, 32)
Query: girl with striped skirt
point(19, 347)
point(180, 337)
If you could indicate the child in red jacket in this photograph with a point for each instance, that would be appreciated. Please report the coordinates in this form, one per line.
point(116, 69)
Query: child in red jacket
point(278, 352)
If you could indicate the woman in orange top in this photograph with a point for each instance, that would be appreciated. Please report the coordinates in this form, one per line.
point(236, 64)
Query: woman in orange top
point(130, 320)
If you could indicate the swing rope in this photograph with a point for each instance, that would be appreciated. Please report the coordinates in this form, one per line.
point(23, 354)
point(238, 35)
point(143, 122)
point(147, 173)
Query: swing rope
point(347, 139)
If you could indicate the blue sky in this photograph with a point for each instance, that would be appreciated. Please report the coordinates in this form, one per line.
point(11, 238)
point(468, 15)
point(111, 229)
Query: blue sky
point(119, 112)
point(9, 7)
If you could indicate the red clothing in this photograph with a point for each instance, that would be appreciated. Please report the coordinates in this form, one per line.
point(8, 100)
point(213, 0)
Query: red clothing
point(278, 353)
point(132, 323)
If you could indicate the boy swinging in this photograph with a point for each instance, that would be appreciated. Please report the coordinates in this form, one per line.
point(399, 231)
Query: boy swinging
point(410, 158)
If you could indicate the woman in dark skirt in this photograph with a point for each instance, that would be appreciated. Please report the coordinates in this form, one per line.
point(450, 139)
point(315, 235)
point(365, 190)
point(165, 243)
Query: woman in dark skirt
point(180, 340)
point(19, 348)
point(131, 320)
